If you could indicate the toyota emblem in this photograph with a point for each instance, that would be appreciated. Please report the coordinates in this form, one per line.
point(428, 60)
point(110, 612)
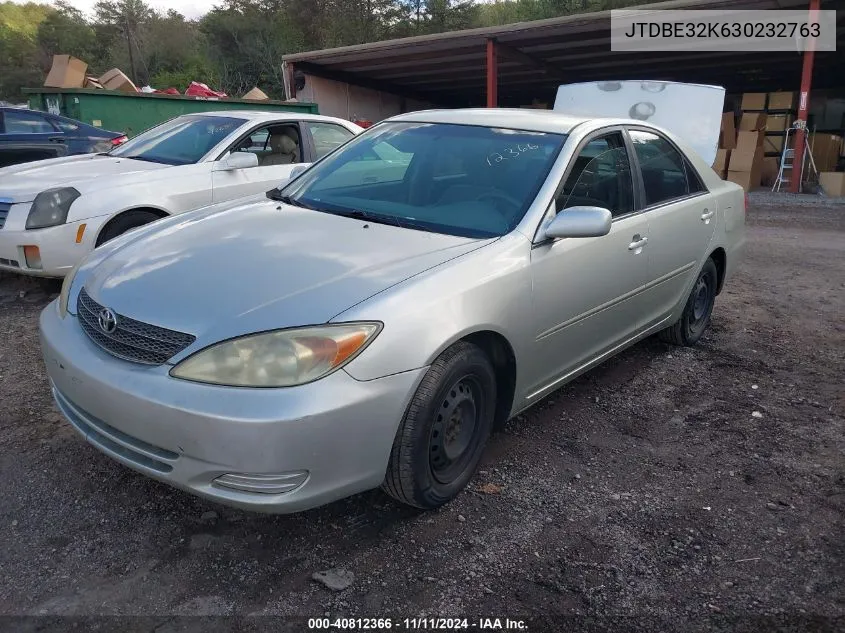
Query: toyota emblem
point(107, 320)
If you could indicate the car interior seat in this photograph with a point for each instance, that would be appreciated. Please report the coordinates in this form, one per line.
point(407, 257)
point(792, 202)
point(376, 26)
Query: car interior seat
point(284, 148)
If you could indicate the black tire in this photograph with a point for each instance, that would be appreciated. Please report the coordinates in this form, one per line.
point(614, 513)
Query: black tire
point(436, 449)
point(696, 315)
point(124, 222)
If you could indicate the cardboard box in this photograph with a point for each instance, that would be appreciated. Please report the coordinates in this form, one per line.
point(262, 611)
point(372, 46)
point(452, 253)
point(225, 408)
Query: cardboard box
point(92, 83)
point(778, 122)
point(782, 100)
point(774, 144)
point(720, 165)
point(727, 131)
point(752, 121)
point(748, 180)
point(66, 72)
point(825, 149)
point(769, 171)
point(116, 80)
point(753, 101)
point(833, 183)
point(256, 94)
point(749, 151)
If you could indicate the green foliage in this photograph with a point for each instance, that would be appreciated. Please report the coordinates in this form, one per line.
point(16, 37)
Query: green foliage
point(239, 43)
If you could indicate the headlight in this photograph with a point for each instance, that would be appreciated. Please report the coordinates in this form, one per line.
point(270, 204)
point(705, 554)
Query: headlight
point(283, 358)
point(50, 207)
point(64, 294)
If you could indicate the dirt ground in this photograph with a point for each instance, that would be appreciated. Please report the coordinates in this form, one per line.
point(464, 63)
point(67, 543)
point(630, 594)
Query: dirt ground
point(669, 489)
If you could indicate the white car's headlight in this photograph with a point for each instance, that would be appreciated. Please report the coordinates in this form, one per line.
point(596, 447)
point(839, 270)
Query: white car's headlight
point(282, 358)
point(64, 295)
point(51, 207)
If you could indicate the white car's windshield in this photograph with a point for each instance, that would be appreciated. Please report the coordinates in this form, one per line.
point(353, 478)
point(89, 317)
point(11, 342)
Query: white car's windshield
point(180, 141)
point(463, 180)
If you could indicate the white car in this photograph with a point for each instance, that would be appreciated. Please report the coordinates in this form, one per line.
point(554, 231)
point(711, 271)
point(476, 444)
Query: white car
point(53, 212)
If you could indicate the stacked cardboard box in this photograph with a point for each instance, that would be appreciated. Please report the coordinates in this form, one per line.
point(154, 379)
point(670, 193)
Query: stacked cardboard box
point(746, 161)
point(833, 183)
point(727, 132)
point(727, 142)
point(825, 149)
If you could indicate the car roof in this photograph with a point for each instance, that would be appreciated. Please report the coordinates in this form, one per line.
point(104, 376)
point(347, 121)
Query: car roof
point(517, 118)
point(268, 115)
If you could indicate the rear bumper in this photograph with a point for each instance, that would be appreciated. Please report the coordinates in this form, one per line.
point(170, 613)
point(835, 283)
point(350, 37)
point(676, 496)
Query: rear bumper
point(328, 439)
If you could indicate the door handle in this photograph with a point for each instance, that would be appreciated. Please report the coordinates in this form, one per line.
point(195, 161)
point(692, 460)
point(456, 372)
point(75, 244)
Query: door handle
point(706, 215)
point(57, 139)
point(637, 243)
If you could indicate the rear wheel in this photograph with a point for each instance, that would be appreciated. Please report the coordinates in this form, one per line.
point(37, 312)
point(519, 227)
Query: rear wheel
point(442, 436)
point(125, 221)
point(696, 315)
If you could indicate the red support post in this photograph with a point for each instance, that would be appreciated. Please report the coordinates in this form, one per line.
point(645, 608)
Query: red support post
point(804, 104)
point(492, 74)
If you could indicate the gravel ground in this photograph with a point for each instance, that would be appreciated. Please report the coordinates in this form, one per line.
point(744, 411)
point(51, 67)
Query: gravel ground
point(680, 489)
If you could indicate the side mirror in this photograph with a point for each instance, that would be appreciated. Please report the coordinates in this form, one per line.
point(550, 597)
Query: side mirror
point(580, 222)
point(237, 160)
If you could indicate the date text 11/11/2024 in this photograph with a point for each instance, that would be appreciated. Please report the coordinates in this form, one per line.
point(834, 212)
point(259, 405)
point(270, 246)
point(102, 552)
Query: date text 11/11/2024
point(411, 624)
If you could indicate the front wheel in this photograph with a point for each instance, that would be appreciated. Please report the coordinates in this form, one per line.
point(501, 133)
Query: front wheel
point(442, 436)
point(124, 222)
point(696, 315)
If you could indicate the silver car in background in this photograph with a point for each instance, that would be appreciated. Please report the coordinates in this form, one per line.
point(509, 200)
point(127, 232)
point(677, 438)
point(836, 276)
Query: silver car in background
point(369, 323)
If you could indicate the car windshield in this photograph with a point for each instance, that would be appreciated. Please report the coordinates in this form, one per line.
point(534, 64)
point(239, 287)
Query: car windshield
point(465, 180)
point(180, 141)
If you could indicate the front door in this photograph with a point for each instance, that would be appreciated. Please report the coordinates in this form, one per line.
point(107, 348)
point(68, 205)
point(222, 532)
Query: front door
point(588, 291)
point(279, 148)
point(682, 219)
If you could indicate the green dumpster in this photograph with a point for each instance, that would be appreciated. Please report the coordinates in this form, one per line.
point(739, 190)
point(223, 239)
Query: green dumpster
point(133, 113)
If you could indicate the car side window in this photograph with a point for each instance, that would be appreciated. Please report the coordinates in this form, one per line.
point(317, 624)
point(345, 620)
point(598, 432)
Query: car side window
point(600, 177)
point(273, 144)
point(327, 137)
point(26, 123)
point(65, 126)
point(666, 174)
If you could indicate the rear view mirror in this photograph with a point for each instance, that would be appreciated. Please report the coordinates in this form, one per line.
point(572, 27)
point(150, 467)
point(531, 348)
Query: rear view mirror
point(296, 171)
point(580, 222)
point(237, 160)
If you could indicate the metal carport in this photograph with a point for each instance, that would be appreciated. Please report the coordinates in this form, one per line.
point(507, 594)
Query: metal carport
point(511, 65)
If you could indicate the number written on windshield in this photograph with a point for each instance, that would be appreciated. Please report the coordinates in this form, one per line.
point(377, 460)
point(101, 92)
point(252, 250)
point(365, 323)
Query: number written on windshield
point(509, 153)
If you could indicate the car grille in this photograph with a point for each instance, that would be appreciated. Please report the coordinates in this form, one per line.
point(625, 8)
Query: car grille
point(131, 340)
point(4, 213)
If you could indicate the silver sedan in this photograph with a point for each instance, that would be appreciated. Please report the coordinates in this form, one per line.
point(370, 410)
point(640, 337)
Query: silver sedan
point(369, 323)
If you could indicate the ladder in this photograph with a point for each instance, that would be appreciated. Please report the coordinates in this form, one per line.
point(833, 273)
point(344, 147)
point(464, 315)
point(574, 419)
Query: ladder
point(787, 159)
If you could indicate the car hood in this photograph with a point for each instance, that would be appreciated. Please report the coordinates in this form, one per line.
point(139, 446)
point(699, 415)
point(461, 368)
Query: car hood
point(259, 266)
point(21, 183)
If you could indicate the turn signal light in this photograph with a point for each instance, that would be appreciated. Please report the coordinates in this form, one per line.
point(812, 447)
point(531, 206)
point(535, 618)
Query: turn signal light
point(80, 232)
point(120, 140)
point(33, 257)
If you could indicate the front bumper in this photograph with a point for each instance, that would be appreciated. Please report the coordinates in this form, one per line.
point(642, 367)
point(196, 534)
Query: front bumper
point(57, 245)
point(338, 431)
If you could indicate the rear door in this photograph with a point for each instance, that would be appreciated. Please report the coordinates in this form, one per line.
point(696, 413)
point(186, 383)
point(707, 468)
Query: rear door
point(326, 137)
point(682, 219)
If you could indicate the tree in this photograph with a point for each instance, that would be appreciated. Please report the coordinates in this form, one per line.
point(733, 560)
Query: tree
point(127, 17)
point(65, 31)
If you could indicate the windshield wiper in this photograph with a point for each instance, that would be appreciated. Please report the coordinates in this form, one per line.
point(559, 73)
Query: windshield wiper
point(146, 159)
point(358, 214)
point(275, 194)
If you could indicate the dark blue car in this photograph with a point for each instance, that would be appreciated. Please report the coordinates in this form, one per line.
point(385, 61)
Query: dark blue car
point(27, 135)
